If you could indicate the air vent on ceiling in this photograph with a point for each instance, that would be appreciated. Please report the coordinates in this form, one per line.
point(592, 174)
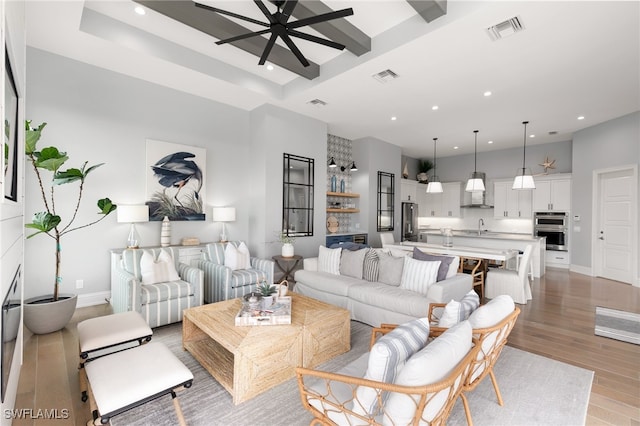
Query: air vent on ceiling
point(506, 28)
point(385, 76)
point(317, 102)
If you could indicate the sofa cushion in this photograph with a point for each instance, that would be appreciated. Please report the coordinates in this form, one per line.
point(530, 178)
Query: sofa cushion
point(168, 290)
point(390, 269)
point(329, 260)
point(430, 365)
point(418, 275)
point(328, 283)
point(370, 270)
point(443, 270)
point(390, 298)
point(455, 312)
point(157, 270)
point(352, 262)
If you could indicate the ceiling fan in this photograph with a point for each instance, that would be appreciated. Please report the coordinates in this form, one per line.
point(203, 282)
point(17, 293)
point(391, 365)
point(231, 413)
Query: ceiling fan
point(279, 26)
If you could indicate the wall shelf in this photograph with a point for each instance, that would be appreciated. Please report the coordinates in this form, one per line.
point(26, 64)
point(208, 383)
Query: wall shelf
point(342, 194)
point(330, 210)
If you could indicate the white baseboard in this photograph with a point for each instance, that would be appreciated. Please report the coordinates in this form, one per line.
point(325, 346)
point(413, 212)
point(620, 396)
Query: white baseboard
point(93, 299)
point(584, 270)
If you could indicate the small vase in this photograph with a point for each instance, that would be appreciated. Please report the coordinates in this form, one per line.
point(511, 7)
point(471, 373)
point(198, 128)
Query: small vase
point(165, 233)
point(287, 250)
point(334, 184)
point(341, 185)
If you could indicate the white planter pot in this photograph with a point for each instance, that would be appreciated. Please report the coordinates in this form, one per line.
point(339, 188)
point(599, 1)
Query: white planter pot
point(287, 250)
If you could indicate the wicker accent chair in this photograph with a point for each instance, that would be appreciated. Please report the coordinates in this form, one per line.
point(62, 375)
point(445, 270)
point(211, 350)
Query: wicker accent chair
point(159, 303)
point(223, 283)
point(491, 339)
point(335, 398)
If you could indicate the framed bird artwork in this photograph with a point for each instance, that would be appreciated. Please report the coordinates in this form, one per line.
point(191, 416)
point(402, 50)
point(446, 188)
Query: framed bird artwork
point(175, 181)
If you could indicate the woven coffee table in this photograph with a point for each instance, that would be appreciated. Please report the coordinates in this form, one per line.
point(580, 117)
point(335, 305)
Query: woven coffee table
point(248, 360)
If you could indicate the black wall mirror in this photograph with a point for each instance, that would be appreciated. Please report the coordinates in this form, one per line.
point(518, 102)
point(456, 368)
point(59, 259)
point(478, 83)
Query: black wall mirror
point(297, 196)
point(386, 195)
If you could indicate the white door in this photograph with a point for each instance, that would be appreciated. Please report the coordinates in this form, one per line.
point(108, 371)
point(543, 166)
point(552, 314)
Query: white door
point(616, 228)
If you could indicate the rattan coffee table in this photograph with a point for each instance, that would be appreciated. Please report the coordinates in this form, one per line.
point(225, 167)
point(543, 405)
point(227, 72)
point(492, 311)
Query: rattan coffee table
point(248, 360)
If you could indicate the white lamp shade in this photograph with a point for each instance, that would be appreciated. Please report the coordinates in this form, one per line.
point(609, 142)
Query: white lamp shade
point(523, 182)
point(132, 214)
point(224, 214)
point(475, 184)
point(434, 187)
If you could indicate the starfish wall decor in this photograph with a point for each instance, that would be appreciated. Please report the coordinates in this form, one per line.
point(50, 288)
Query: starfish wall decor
point(548, 164)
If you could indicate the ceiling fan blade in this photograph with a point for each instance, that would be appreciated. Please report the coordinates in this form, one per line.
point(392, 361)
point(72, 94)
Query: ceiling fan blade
point(265, 11)
point(321, 18)
point(243, 36)
point(233, 15)
point(315, 39)
point(289, 5)
point(285, 37)
point(267, 49)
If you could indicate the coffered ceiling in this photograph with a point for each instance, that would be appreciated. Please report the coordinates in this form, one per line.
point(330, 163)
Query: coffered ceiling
point(572, 59)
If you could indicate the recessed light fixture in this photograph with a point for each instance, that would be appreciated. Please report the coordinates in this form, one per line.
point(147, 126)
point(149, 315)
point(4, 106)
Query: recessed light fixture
point(140, 10)
point(581, 117)
point(489, 142)
point(487, 93)
point(435, 107)
point(532, 136)
point(455, 147)
point(269, 67)
point(394, 118)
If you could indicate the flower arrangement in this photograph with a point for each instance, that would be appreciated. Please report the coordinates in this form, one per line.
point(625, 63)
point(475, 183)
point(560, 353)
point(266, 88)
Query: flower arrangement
point(286, 239)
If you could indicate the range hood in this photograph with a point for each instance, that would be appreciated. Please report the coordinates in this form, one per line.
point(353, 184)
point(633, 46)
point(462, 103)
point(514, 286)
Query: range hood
point(478, 198)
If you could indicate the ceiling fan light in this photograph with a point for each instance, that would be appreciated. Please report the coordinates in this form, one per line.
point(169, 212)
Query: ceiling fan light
point(434, 186)
point(524, 180)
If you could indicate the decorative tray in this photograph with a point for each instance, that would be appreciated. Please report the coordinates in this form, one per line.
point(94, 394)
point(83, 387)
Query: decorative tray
point(278, 313)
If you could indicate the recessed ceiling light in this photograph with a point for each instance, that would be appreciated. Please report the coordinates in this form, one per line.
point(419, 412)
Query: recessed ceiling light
point(140, 10)
point(532, 136)
point(581, 117)
point(455, 147)
point(270, 67)
point(490, 142)
point(487, 93)
point(435, 107)
point(394, 118)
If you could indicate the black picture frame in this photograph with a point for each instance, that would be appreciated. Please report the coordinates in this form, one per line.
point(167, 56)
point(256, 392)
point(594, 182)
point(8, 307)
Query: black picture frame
point(10, 133)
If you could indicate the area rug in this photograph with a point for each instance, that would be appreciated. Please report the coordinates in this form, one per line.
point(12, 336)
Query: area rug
point(619, 325)
point(536, 391)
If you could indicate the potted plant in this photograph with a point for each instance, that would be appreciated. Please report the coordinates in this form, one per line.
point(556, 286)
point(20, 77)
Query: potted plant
point(287, 244)
point(52, 312)
point(267, 291)
point(424, 166)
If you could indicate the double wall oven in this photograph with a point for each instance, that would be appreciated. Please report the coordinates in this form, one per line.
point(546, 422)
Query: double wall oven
point(555, 227)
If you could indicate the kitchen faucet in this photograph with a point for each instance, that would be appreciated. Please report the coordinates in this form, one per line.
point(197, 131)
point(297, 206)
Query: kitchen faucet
point(480, 224)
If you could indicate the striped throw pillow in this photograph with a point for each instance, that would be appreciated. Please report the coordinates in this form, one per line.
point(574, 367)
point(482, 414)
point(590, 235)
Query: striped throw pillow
point(418, 275)
point(456, 312)
point(370, 266)
point(329, 260)
point(387, 357)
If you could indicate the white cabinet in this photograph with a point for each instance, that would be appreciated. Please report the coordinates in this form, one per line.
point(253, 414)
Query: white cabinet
point(445, 204)
point(552, 195)
point(408, 190)
point(558, 259)
point(510, 203)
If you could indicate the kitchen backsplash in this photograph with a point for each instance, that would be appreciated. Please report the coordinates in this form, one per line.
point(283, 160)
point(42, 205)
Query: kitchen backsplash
point(471, 219)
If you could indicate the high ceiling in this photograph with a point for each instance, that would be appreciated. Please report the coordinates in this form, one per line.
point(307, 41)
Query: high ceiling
point(572, 59)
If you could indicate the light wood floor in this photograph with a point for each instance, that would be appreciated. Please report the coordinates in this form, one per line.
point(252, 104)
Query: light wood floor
point(558, 323)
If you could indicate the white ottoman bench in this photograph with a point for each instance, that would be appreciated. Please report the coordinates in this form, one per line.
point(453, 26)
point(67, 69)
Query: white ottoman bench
point(130, 378)
point(108, 334)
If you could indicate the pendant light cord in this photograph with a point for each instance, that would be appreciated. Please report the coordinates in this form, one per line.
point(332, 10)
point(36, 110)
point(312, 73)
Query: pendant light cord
point(435, 140)
point(524, 153)
point(475, 155)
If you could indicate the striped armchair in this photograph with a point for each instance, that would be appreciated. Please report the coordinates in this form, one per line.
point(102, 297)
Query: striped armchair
point(223, 283)
point(160, 303)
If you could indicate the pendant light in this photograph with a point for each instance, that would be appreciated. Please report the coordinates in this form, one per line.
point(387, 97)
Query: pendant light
point(434, 186)
point(475, 182)
point(524, 179)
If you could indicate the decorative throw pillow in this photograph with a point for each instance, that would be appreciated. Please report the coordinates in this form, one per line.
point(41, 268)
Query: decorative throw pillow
point(237, 258)
point(370, 266)
point(418, 275)
point(352, 262)
point(431, 364)
point(445, 261)
point(157, 271)
point(390, 269)
point(329, 260)
point(456, 312)
point(387, 357)
point(492, 312)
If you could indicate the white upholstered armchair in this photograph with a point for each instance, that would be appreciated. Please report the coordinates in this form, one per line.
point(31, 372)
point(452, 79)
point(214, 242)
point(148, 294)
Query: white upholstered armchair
point(514, 283)
point(154, 283)
point(222, 282)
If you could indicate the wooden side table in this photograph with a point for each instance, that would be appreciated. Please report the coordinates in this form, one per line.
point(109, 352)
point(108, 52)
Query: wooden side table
point(287, 265)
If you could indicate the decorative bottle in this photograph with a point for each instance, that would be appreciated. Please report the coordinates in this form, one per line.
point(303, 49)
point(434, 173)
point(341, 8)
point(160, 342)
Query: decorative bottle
point(165, 233)
point(334, 182)
point(341, 185)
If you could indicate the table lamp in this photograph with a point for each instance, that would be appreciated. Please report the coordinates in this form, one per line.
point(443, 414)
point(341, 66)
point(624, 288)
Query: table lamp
point(224, 214)
point(133, 215)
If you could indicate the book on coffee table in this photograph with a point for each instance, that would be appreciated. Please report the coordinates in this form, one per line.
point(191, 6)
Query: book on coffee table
point(277, 314)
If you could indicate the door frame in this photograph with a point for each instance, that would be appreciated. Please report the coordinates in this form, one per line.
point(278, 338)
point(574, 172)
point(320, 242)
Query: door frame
point(596, 261)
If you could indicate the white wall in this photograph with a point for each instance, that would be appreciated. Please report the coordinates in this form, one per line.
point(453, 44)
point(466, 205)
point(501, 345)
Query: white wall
point(12, 18)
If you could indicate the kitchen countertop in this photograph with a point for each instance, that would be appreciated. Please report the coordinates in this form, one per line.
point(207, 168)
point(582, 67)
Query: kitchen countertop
point(469, 233)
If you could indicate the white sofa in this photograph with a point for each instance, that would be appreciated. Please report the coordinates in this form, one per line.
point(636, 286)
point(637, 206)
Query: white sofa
point(374, 303)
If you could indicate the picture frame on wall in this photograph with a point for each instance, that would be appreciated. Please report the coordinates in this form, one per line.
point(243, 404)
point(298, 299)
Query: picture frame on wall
point(10, 133)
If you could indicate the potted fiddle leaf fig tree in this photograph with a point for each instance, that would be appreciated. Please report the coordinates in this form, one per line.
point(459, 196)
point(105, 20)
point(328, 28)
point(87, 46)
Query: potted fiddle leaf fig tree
point(52, 312)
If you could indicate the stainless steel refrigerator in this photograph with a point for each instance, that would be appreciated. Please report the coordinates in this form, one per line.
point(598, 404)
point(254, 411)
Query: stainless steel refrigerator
point(409, 222)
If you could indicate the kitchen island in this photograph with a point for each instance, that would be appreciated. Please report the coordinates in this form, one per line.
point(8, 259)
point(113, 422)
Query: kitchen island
point(494, 240)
